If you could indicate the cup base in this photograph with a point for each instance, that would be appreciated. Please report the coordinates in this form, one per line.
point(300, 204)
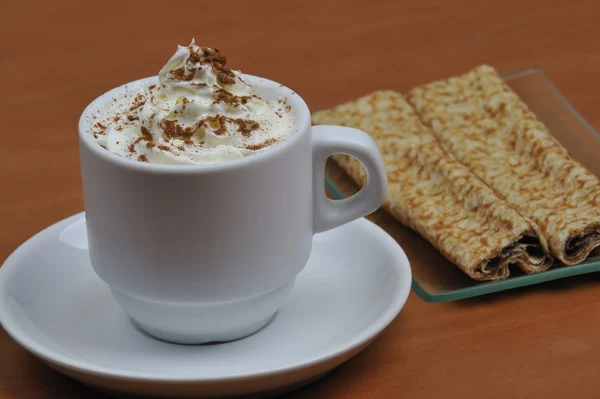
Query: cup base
point(198, 338)
point(201, 323)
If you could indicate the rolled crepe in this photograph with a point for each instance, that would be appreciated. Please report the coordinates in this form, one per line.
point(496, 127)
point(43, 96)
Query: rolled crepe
point(487, 127)
point(432, 193)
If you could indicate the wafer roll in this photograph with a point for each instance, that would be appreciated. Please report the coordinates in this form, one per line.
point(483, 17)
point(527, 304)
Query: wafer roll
point(487, 127)
point(432, 193)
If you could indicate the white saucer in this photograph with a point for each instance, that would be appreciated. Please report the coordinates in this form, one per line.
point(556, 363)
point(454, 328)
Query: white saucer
point(53, 304)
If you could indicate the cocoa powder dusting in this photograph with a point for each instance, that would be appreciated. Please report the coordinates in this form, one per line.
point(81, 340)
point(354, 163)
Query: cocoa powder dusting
point(246, 126)
point(181, 75)
point(194, 57)
point(101, 127)
point(172, 129)
point(260, 146)
point(131, 147)
point(218, 63)
point(138, 101)
point(221, 120)
point(223, 96)
point(142, 158)
point(146, 133)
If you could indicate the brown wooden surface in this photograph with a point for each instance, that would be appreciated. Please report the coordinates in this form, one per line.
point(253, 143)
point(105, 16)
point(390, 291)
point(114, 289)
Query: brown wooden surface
point(539, 342)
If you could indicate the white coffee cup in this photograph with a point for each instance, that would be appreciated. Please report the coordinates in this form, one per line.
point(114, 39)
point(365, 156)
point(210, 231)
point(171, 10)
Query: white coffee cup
point(199, 253)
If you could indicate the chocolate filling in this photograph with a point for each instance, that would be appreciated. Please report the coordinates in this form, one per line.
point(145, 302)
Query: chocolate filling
point(526, 249)
point(583, 242)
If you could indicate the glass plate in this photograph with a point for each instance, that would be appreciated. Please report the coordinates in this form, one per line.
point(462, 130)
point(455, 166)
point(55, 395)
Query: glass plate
point(434, 278)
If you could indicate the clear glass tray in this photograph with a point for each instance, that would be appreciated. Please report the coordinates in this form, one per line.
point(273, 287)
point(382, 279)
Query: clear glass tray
point(437, 280)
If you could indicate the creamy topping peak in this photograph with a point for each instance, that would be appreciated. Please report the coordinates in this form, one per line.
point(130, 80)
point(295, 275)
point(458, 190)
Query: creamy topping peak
point(201, 111)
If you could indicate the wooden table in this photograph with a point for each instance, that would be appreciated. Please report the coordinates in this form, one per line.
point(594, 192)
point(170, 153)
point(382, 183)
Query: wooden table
point(540, 342)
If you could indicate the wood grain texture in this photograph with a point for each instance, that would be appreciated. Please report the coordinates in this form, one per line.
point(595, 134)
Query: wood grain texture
point(540, 342)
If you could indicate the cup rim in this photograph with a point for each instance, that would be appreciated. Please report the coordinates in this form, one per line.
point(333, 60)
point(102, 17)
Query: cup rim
point(293, 99)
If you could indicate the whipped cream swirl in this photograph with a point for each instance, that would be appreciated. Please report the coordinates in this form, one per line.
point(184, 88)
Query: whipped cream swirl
point(200, 111)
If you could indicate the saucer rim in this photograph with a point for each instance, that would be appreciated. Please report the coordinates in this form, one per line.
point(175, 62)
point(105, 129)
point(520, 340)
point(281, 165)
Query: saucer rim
point(361, 340)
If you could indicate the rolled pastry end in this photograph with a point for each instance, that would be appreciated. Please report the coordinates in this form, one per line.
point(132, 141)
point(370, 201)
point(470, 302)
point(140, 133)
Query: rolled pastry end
point(528, 253)
point(579, 246)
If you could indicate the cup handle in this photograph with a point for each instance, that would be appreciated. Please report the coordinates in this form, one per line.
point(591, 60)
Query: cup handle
point(329, 140)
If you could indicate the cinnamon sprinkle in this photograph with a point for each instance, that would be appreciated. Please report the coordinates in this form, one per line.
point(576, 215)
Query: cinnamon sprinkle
point(221, 120)
point(100, 126)
point(228, 98)
point(142, 158)
point(218, 63)
point(172, 129)
point(184, 103)
point(131, 147)
point(194, 57)
point(181, 75)
point(246, 126)
point(260, 146)
point(146, 133)
point(208, 56)
point(138, 101)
